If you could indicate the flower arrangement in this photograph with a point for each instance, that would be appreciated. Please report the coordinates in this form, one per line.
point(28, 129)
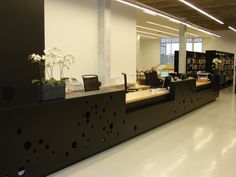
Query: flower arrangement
point(52, 57)
point(216, 63)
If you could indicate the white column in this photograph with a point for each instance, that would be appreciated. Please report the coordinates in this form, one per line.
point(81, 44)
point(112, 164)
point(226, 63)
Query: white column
point(182, 48)
point(104, 41)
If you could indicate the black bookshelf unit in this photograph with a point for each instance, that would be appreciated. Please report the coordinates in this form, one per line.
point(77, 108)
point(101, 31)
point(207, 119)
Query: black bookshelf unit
point(225, 69)
point(195, 61)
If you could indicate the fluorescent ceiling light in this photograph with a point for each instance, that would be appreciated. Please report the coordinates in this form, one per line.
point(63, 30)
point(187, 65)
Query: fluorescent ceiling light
point(143, 32)
point(191, 34)
point(198, 29)
point(233, 29)
point(164, 26)
point(201, 11)
point(146, 36)
point(151, 29)
point(174, 29)
point(164, 16)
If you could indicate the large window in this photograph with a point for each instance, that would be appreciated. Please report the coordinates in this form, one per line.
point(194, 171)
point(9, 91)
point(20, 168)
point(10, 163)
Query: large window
point(170, 45)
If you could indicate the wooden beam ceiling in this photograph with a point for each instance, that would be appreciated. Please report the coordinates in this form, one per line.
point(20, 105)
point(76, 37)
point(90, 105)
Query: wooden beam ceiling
point(224, 10)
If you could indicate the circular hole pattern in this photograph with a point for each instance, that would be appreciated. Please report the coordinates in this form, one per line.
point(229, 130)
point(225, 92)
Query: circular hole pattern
point(83, 135)
point(34, 151)
point(28, 160)
point(78, 123)
point(74, 144)
point(27, 145)
point(96, 106)
point(114, 113)
point(111, 125)
point(123, 121)
point(135, 127)
point(87, 115)
point(40, 141)
point(111, 97)
point(19, 131)
point(104, 110)
point(47, 147)
point(21, 171)
point(67, 154)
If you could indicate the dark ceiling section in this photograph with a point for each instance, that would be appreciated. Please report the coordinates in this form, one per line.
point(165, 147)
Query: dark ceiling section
point(224, 10)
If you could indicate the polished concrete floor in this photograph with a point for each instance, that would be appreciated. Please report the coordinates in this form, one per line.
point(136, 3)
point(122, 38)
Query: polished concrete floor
point(199, 144)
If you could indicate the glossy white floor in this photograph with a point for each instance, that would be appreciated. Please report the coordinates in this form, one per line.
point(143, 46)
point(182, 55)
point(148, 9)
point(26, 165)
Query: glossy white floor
point(199, 144)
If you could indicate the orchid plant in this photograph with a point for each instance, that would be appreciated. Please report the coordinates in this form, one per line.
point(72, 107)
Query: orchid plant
point(216, 62)
point(52, 57)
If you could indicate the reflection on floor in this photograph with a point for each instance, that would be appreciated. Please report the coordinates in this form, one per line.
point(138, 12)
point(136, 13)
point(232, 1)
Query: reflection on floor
point(199, 144)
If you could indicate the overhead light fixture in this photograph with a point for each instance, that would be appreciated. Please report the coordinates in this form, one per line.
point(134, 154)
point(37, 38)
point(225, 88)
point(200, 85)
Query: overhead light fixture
point(151, 29)
point(174, 29)
point(153, 34)
point(164, 26)
point(233, 29)
point(146, 36)
point(198, 29)
point(191, 34)
point(164, 16)
point(201, 11)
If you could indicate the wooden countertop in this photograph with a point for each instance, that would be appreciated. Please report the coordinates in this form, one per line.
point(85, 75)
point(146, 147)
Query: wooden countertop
point(145, 94)
point(198, 84)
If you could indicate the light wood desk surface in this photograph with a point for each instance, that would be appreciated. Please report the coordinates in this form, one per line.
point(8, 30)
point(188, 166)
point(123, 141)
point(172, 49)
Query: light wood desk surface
point(202, 83)
point(145, 94)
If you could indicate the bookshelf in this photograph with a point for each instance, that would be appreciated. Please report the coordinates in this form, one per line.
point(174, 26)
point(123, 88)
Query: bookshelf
point(225, 68)
point(195, 61)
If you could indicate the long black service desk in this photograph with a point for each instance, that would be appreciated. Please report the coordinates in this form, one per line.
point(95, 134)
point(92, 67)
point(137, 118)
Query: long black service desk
point(37, 140)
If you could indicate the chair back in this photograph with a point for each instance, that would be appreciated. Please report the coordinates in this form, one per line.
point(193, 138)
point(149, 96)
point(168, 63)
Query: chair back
point(91, 82)
point(154, 81)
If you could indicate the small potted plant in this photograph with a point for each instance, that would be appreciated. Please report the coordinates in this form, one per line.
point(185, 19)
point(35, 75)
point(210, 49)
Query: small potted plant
point(50, 88)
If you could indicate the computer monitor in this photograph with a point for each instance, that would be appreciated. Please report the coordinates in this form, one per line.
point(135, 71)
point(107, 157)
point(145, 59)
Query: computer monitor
point(164, 74)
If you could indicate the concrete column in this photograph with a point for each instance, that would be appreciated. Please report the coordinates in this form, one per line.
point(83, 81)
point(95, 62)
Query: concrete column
point(138, 52)
point(182, 48)
point(104, 41)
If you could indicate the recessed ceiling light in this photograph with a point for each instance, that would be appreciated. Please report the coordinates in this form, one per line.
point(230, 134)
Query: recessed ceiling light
point(151, 29)
point(233, 29)
point(201, 11)
point(154, 34)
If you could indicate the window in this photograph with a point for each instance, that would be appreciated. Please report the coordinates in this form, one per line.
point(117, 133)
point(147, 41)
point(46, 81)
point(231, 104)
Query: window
point(170, 45)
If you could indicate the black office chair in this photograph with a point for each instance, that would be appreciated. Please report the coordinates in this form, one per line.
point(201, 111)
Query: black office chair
point(154, 81)
point(91, 82)
point(167, 82)
point(147, 77)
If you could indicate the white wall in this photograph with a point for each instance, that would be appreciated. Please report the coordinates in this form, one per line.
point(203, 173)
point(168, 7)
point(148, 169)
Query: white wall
point(123, 41)
point(72, 26)
point(149, 53)
point(227, 43)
